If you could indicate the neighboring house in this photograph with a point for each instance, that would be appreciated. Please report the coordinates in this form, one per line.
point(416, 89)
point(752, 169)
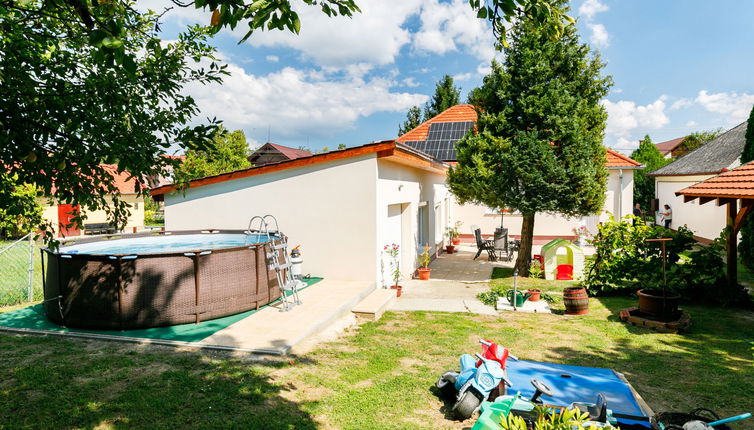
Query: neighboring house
point(168, 176)
point(668, 148)
point(342, 207)
point(438, 136)
point(60, 214)
point(271, 153)
point(718, 155)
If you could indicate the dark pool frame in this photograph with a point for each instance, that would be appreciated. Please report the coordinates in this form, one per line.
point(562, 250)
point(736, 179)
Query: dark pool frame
point(136, 291)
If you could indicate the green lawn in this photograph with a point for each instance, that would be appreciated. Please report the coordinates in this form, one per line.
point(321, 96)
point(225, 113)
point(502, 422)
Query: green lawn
point(378, 377)
point(14, 273)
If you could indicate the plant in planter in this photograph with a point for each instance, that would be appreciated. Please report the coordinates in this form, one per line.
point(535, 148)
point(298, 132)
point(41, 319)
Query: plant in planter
point(453, 235)
point(456, 239)
point(393, 251)
point(581, 233)
point(424, 259)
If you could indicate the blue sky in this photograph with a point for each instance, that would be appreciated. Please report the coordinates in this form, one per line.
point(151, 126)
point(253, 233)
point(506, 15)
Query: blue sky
point(679, 66)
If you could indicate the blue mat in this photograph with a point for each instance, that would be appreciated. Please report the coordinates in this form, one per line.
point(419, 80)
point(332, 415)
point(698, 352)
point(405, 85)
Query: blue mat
point(579, 384)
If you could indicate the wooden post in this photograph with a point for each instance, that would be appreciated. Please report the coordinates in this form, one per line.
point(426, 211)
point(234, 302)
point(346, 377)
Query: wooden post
point(732, 248)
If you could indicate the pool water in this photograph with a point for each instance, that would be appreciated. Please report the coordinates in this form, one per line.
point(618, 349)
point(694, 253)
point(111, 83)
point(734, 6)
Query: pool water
point(164, 244)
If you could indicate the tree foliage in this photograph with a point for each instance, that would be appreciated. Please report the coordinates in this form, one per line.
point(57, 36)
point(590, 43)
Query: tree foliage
point(22, 209)
point(229, 151)
point(746, 247)
point(446, 95)
point(644, 186)
point(695, 140)
point(539, 142)
point(73, 99)
point(413, 120)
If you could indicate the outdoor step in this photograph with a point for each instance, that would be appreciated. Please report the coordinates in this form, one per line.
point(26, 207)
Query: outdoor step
point(374, 305)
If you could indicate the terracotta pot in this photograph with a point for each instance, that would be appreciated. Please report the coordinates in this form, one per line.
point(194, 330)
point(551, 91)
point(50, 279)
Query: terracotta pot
point(424, 273)
point(535, 294)
point(456, 240)
point(450, 249)
point(651, 302)
point(398, 289)
point(576, 301)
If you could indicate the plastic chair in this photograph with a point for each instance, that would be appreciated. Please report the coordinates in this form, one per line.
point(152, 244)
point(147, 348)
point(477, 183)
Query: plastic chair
point(564, 272)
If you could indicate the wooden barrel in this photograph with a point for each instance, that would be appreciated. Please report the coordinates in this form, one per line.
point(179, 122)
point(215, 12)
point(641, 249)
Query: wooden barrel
point(576, 301)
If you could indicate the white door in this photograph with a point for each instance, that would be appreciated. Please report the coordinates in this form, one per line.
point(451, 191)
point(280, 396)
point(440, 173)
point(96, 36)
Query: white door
point(392, 234)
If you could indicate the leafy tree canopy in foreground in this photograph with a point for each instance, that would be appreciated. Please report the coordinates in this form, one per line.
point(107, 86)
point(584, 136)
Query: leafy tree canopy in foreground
point(540, 129)
point(228, 152)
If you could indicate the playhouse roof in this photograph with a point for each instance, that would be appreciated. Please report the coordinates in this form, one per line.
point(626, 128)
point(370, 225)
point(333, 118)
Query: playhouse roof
point(557, 243)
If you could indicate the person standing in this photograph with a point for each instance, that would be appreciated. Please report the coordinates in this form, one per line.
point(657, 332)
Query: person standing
point(667, 216)
point(637, 213)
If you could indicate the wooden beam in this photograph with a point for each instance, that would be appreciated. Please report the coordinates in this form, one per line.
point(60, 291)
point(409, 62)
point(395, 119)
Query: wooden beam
point(747, 208)
point(703, 200)
point(687, 199)
point(732, 248)
point(726, 201)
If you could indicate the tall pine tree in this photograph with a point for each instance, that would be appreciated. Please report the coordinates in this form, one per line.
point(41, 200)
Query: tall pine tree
point(413, 119)
point(540, 130)
point(644, 187)
point(446, 95)
point(746, 247)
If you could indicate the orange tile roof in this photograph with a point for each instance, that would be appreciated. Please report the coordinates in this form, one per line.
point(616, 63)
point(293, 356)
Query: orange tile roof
point(126, 183)
point(616, 159)
point(291, 153)
point(737, 184)
point(457, 113)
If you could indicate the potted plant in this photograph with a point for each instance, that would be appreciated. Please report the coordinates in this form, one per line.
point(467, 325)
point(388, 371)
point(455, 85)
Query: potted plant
point(659, 298)
point(534, 294)
point(393, 251)
point(456, 239)
point(424, 259)
point(581, 234)
point(453, 235)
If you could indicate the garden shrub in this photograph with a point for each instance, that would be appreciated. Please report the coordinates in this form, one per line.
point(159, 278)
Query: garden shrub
point(625, 262)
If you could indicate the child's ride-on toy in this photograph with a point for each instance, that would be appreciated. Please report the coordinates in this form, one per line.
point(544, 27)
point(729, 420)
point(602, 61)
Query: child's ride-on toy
point(477, 380)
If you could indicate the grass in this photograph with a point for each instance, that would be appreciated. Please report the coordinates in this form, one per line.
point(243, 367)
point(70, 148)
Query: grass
point(378, 377)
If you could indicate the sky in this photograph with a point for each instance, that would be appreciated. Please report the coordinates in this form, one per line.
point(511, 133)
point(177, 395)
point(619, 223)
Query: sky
point(678, 66)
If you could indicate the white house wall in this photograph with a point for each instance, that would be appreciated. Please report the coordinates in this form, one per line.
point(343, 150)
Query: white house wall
point(410, 187)
point(327, 208)
point(553, 224)
point(707, 220)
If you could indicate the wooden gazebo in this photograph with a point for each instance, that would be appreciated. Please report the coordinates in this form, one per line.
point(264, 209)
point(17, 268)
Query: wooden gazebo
point(727, 189)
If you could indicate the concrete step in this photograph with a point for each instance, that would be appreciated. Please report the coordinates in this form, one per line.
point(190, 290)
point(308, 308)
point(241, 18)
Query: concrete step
point(374, 305)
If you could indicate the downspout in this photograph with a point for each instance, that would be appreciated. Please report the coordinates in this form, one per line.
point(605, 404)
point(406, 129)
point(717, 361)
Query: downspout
point(620, 193)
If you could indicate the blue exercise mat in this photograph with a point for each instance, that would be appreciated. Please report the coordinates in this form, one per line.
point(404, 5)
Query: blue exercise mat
point(579, 384)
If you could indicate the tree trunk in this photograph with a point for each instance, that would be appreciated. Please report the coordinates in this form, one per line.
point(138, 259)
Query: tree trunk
point(524, 253)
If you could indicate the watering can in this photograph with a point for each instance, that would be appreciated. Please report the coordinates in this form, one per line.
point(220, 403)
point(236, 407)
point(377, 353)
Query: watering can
point(520, 297)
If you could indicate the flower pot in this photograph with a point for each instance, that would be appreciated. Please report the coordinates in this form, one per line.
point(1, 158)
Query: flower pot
point(535, 294)
point(424, 273)
point(398, 289)
point(450, 249)
point(456, 240)
point(576, 301)
point(651, 302)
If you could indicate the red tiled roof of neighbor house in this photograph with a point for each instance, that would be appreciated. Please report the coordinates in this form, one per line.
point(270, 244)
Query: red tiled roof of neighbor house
point(668, 146)
point(123, 180)
point(616, 159)
point(291, 153)
point(457, 113)
point(734, 184)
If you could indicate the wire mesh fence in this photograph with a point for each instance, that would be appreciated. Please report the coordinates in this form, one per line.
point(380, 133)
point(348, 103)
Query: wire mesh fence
point(20, 271)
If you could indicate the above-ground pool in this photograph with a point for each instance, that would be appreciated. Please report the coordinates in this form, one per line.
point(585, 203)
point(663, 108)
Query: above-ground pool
point(157, 279)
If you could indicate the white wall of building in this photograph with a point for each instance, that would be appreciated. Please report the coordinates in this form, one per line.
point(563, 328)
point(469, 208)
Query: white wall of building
point(618, 201)
point(707, 220)
point(328, 208)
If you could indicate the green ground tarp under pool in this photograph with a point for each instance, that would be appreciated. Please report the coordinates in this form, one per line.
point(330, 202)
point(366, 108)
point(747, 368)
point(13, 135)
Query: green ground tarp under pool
point(33, 317)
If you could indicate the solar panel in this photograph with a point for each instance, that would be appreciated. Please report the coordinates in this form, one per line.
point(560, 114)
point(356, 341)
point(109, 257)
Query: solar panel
point(441, 139)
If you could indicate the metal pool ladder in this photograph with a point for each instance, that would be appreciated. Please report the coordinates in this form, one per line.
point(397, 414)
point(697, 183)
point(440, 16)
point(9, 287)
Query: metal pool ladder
point(286, 281)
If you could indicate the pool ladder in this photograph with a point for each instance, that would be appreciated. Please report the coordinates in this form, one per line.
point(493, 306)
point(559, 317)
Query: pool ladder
point(286, 281)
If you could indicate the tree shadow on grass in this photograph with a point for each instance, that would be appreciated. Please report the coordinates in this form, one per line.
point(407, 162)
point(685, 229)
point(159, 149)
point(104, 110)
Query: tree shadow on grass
point(54, 383)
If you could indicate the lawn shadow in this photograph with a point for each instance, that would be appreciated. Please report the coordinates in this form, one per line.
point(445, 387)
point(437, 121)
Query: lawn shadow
point(122, 386)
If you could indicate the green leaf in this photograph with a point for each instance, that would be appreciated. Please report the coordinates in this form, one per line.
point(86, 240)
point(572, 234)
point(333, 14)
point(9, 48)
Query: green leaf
point(482, 14)
point(129, 65)
point(112, 42)
point(96, 37)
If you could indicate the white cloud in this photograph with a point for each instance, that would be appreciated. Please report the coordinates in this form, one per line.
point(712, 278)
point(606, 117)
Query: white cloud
point(681, 104)
point(273, 58)
point(453, 26)
point(691, 124)
point(591, 7)
point(376, 35)
point(410, 82)
point(733, 105)
point(463, 77)
point(625, 145)
point(625, 116)
point(599, 37)
point(298, 103)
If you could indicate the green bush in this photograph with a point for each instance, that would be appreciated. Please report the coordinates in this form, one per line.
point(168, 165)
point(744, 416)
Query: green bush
point(625, 262)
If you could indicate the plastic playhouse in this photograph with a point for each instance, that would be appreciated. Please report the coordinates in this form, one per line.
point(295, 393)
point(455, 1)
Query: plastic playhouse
point(563, 260)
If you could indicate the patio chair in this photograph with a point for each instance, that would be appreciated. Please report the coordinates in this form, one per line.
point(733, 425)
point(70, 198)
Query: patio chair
point(484, 245)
